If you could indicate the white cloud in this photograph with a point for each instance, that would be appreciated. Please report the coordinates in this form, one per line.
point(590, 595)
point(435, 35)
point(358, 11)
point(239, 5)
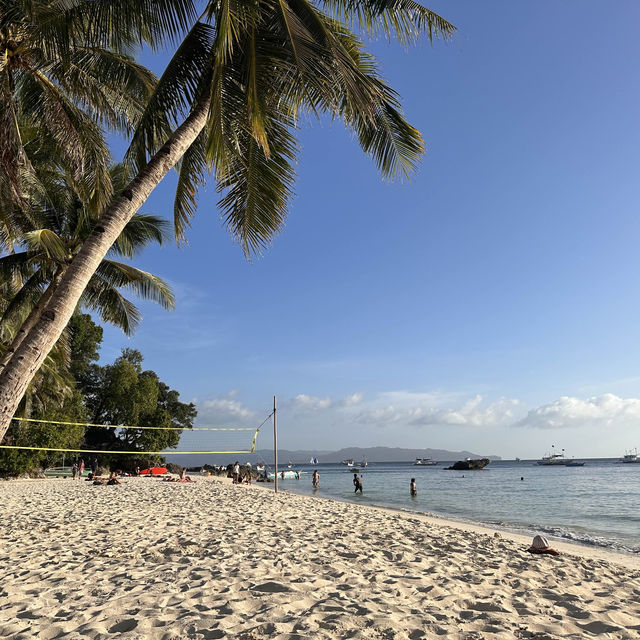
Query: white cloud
point(223, 409)
point(566, 412)
point(353, 399)
point(305, 403)
point(427, 409)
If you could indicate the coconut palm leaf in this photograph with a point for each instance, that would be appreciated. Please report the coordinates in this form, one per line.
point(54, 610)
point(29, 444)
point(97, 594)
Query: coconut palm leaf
point(111, 306)
point(405, 19)
point(192, 171)
point(112, 87)
point(141, 230)
point(47, 242)
point(145, 285)
point(176, 90)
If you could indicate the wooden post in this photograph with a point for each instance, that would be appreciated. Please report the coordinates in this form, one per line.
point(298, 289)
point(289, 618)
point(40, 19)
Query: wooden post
point(275, 445)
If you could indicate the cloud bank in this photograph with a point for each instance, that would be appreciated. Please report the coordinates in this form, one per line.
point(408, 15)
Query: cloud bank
point(604, 411)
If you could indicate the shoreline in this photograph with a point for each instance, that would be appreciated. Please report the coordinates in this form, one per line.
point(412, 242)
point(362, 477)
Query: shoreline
point(208, 559)
point(629, 560)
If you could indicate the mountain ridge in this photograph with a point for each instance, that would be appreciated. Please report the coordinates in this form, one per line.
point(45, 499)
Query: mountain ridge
point(302, 456)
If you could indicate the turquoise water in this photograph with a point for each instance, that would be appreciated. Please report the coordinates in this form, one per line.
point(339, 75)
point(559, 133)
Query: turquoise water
point(598, 504)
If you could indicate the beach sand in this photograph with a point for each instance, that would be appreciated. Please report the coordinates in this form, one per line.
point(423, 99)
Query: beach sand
point(150, 559)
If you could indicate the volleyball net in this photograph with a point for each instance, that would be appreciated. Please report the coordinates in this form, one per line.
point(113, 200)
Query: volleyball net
point(31, 434)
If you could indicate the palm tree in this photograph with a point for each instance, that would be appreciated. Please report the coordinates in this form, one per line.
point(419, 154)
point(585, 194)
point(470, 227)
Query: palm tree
point(63, 75)
point(243, 75)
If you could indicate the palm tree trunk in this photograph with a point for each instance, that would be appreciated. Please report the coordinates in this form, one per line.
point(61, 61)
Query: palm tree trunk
point(28, 357)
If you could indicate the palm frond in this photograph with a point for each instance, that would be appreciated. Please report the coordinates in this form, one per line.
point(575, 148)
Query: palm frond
point(112, 87)
point(139, 232)
point(174, 94)
point(192, 171)
point(48, 242)
point(145, 285)
point(111, 306)
point(407, 20)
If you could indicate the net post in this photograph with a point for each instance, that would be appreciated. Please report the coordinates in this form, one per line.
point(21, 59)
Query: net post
point(275, 445)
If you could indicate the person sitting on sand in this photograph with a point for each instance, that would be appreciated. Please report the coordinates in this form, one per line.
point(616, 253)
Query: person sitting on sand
point(413, 488)
point(541, 545)
point(113, 478)
point(183, 476)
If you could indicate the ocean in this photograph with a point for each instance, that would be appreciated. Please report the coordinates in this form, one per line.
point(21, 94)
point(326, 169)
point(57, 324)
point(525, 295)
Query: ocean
point(598, 504)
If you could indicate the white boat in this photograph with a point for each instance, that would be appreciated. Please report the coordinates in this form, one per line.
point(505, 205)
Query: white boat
point(349, 462)
point(631, 457)
point(260, 466)
point(425, 462)
point(285, 474)
point(553, 459)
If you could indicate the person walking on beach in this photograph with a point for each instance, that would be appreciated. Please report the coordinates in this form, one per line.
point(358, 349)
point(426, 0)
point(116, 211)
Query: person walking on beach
point(74, 470)
point(315, 480)
point(236, 473)
point(94, 466)
point(358, 483)
point(81, 468)
point(414, 488)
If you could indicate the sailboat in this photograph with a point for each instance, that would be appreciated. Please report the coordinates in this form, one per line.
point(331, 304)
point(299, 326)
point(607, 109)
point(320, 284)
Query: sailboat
point(313, 461)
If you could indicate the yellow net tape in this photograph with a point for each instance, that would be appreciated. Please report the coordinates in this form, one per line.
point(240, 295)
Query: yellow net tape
point(117, 451)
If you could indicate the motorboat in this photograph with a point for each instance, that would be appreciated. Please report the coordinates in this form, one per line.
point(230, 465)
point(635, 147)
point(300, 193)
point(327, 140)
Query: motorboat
point(425, 462)
point(553, 459)
point(364, 463)
point(285, 474)
point(349, 462)
point(631, 457)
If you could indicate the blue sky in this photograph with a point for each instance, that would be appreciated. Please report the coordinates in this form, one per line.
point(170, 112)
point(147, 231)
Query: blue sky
point(490, 304)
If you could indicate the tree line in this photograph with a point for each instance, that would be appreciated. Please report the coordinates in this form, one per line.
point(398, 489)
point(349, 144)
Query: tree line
point(120, 393)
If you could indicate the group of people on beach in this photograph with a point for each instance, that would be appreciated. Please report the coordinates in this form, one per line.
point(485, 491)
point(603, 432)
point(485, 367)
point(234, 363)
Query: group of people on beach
point(183, 477)
point(77, 468)
point(238, 477)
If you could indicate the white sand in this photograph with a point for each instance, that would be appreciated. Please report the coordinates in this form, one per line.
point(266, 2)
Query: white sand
point(150, 559)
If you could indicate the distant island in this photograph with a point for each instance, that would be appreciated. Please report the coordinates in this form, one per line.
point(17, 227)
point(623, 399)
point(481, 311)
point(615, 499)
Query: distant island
point(370, 454)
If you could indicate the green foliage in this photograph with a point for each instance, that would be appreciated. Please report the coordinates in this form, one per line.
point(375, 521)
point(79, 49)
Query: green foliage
point(43, 434)
point(86, 337)
point(124, 394)
point(121, 393)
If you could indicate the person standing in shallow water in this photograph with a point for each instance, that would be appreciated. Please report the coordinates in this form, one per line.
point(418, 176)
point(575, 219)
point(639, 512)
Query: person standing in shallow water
point(413, 488)
point(357, 481)
point(315, 480)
